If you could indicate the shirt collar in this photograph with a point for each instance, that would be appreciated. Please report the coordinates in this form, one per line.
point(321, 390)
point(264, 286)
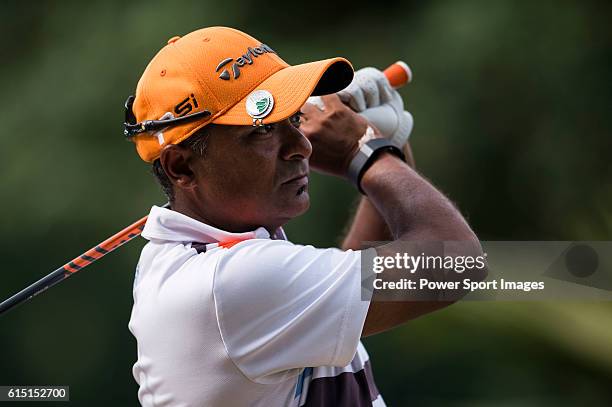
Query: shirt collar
point(168, 225)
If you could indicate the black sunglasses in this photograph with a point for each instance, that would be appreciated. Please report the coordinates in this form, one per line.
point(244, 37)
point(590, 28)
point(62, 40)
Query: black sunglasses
point(131, 128)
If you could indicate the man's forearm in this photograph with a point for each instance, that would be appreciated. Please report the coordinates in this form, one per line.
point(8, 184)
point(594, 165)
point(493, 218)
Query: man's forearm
point(367, 224)
point(411, 206)
point(417, 213)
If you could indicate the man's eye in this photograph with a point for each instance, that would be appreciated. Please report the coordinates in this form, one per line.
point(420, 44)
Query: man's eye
point(296, 119)
point(265, 129)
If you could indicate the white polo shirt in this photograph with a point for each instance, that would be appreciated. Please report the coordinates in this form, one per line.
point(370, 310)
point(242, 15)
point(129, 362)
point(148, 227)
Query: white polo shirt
point(261, 322)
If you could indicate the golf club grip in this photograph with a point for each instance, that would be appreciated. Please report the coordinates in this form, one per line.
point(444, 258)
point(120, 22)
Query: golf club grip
point(76, 264)
point(398, 74)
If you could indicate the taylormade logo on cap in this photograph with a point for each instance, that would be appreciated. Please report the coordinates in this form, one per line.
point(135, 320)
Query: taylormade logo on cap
point(247, 58)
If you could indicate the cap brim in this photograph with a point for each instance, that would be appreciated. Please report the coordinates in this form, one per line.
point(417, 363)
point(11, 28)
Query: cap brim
point(290, 88)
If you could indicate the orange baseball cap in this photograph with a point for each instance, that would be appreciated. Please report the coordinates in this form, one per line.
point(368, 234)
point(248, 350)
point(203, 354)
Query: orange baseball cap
point(221, 75)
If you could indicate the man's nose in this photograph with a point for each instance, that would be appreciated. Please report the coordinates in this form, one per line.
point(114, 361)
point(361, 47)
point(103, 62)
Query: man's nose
point(295, 146)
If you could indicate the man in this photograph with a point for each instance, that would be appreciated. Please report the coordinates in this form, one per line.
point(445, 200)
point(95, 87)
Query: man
point(226, 311)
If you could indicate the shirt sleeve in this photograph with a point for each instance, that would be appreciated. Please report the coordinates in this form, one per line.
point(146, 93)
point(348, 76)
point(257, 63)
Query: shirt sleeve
point(282, 307)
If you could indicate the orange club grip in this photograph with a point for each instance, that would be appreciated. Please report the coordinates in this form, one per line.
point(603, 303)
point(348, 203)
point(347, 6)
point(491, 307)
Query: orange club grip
point(398, 74)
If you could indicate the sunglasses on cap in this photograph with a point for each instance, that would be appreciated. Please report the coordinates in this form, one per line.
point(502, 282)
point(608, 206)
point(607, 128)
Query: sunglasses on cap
point(131, 128)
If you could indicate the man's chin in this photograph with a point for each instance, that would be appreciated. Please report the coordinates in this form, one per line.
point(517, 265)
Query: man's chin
point(296, 206)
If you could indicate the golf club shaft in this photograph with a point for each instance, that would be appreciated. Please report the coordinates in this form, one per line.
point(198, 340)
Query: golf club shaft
point(76, 264)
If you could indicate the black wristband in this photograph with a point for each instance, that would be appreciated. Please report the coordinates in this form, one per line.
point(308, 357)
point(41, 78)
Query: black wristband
point(367, 155)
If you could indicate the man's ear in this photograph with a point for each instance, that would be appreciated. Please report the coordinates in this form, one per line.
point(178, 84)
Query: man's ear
point(177, 163)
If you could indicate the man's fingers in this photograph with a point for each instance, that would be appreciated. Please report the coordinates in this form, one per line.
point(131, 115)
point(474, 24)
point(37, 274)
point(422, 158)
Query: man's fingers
point(311, 110)
point(317, 102)
point(372, 98)
point(310, 113)
point(354, 97)
point(378, 79)
point(372, 95)
point(384, 89)
point(332, 101)
point(404, 128)
point(396, 101)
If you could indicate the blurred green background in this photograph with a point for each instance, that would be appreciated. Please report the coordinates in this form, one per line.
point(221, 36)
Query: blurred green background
point(512, 103)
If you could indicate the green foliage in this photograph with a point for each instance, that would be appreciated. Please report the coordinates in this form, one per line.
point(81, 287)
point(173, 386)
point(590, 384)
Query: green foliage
point(511, 103)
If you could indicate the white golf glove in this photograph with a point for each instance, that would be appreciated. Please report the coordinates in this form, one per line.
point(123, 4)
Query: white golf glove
point(371, 95)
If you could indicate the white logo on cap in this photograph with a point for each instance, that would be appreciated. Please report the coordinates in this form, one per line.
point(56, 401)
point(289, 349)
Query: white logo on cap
point(160, 133)
point(259, 104)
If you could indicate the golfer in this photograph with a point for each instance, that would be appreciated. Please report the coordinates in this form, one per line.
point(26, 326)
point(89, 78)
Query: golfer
point(227, 311)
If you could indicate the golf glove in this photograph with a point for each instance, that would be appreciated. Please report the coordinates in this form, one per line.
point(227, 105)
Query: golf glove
point(371, 95)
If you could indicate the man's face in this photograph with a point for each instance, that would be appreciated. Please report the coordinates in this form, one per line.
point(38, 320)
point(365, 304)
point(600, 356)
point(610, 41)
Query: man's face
point(252, 176)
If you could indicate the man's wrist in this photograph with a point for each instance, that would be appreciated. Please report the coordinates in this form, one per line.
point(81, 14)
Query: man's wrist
point(369, 152)
point(379, 166)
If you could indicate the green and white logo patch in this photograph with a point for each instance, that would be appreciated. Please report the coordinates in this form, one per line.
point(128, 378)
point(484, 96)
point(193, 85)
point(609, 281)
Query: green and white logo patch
point(259, 104)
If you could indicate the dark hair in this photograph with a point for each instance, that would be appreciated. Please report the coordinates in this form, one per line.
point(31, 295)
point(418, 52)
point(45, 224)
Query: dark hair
point(197, 143)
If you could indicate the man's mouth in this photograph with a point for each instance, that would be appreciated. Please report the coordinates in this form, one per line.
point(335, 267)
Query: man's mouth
point(300, 182)
point(297, 178)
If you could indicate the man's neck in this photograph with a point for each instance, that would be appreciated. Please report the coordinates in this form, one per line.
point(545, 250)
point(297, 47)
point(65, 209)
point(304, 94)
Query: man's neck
point(195, 212)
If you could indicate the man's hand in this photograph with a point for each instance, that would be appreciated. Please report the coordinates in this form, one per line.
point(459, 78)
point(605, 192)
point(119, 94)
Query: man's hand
point(371, 95)
point(334, 132)
point(369, 88)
